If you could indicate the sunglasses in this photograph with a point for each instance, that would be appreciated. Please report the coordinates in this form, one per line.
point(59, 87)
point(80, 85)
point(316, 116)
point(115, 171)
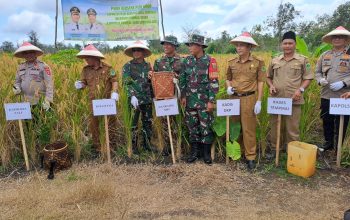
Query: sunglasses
point(137, 50)
point(338, 37)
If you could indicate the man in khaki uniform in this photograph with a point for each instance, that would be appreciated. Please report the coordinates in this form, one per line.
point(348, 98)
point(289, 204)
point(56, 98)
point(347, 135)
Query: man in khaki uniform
point(333, 74)
point(244, 77)
point(101, 80)
point(34, 77)
point(288, 77)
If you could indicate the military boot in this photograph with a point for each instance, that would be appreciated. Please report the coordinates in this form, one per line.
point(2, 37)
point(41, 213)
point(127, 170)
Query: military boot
point(195, 153)
point(134, 140)
point(207, 154)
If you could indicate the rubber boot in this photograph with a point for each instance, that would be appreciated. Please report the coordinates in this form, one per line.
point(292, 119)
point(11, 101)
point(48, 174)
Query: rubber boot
point(195, 153)
point(207, 154)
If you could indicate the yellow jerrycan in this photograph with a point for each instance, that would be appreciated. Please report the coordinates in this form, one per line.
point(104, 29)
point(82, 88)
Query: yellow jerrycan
point(301, 158)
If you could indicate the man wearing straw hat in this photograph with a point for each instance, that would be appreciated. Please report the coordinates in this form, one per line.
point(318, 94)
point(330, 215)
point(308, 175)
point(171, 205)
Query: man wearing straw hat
point(199, 85)
point(244, 77)
point(139, 89)
point(101, 80)
point(170, 62)
point(33, 78)
point(333, 75)
point(288, 76)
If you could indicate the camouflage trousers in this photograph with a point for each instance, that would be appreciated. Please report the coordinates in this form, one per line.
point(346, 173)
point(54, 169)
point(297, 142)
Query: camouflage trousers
point(146, 117)
point(199, 123)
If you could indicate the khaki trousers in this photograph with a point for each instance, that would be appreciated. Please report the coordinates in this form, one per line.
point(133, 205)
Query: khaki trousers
point(289, 127)
point(247, 118)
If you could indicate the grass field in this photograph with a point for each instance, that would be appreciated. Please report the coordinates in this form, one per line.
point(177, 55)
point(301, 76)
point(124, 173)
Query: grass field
point(69, 120)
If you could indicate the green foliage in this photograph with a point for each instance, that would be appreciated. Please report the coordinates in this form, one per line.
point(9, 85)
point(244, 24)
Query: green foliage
point(233, 150)
point(235, 130)
point(65, 57)
point(301, 47)
point(321, 49)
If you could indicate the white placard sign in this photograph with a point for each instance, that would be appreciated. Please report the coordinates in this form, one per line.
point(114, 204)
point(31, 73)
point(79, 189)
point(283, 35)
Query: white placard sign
point(18, 111)
point(166, 107)
point(104, 107)
point(279, 106)
point(227, 107)
point(339, 106)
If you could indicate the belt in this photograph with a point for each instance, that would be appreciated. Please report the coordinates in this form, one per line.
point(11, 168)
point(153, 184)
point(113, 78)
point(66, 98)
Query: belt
point(243, 94)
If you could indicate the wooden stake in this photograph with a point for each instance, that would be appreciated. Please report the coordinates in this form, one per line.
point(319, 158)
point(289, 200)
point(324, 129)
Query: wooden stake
point(227, 136)
point(340, 140)
point(171, 140)
point(24, 144)
point(107, 141)
point(279, 118)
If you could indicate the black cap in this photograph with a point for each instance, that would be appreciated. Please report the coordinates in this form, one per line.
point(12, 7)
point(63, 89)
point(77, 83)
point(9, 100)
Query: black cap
point(289, 35)
point(74, 9)
point(91, 11)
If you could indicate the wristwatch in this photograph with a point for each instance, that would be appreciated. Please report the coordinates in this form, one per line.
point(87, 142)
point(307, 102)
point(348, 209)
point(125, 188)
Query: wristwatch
point(301, 89)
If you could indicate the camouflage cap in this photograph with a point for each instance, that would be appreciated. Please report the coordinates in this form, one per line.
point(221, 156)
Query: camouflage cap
point(91, 11)
point(196, 39)
point(171, 40)
point(74, 9)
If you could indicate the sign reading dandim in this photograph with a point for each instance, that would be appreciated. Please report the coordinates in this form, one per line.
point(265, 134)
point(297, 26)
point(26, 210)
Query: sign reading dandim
point(111, 20)
point(166, 107)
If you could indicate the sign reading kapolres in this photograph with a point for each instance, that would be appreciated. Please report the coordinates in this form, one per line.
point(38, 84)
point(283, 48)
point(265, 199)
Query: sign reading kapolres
point(112, 20)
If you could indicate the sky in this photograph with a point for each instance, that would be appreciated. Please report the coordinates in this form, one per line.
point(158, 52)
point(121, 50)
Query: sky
point(211, 17)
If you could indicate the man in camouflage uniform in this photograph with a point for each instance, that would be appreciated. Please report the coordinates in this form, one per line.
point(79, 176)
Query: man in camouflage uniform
point(288, 76)
point(139, 89)
point(170, 62)
point(246, 75)
point(101, 80)
point(333, 74)
point(198, 89)
point(33, 78)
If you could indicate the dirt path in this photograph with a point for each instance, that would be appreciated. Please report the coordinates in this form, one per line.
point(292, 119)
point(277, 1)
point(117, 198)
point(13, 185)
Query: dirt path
point(95, 191)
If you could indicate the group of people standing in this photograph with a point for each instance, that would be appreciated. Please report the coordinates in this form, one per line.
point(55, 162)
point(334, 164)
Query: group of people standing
point(287, 76)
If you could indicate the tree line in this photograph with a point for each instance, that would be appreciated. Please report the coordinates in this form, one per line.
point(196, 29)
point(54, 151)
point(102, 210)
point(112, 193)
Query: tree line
point(267, 34)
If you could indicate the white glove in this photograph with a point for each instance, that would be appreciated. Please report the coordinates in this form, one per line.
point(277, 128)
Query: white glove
point(16, 90)
point(46, 105)
point(115, 96)
point(336, 86)
point(257, 107)
point(230, 90)
point(323, 82)
point(175, 81)
point(134, 102)
point(79, 84)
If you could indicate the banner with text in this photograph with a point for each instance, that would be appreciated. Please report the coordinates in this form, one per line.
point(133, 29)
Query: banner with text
point(112, 20)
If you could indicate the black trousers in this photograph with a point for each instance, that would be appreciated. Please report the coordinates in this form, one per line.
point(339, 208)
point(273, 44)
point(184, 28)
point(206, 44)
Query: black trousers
point(331, 125)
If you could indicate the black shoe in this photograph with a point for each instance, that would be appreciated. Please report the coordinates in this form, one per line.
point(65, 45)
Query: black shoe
point(165, 152)
point(95, 154)
point(270, 155)
point(207, 154)
point(251, 164)
point(195, 154)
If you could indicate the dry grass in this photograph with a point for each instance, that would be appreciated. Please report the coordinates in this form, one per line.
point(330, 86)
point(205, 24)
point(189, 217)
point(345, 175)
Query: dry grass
point(91, 191)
